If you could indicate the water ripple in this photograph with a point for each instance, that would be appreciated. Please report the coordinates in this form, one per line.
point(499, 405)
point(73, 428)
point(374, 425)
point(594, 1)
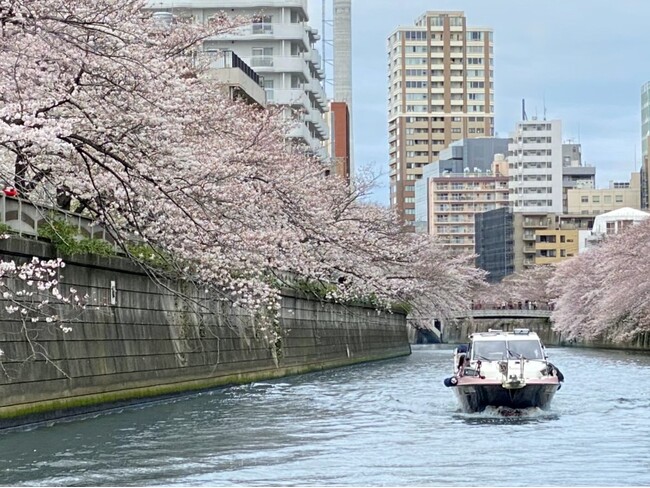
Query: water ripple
point(390, 423)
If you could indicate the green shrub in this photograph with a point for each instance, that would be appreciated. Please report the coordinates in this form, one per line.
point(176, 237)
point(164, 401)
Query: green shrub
point(66, 239)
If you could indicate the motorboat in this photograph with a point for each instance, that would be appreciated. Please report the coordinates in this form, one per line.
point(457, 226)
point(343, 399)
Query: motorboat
point(503, 369)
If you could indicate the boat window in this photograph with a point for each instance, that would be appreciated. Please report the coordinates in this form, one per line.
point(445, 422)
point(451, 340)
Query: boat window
point(527, 349)
point(492, 350)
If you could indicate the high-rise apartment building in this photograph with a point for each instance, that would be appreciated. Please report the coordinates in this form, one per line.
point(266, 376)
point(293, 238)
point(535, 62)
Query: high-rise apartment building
point(440, 89)
point(535, 166)
point(278, 44)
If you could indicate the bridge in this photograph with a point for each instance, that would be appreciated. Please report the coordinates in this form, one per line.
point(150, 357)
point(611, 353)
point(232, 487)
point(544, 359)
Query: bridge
point(505, 313)
point(466, 320)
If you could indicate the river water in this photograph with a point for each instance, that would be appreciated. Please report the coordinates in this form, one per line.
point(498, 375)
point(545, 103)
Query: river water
point(385, 423)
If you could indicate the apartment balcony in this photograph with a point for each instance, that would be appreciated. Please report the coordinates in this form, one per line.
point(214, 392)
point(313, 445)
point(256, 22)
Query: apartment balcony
point(230, 70)
point(235, 4)
point(295, 97)
point(314, 58)
point(267, 32)
point(535, 146)
point(315, 118)
point(300, 131)
point(278, 64)
point(535, 224)
point(314, 36)
point(317, 91)
point(320, 73)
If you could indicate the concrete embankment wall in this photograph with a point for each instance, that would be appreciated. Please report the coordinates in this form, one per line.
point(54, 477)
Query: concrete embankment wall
point(457, 331)
point(140, 341)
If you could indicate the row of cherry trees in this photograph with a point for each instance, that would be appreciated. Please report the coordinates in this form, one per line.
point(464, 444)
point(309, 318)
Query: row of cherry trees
point(605, 292)
point(101, 104)
point(601, 293)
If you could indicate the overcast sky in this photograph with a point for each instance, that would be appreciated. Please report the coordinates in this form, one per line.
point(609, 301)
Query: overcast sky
point(587, 59)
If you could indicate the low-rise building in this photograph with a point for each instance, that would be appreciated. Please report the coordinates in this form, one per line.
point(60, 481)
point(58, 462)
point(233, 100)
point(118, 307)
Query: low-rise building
point(463, 157)
point(589, 201)
point(613, 222)
point(454, 200)
point(508, 242)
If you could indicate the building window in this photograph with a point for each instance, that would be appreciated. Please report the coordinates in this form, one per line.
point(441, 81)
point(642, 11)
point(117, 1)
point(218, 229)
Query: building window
point(619, 198)
point(268, 88)
point(596, 198)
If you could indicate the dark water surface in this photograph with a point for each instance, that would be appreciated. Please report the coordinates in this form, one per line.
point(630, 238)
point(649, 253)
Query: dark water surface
point(386, 423)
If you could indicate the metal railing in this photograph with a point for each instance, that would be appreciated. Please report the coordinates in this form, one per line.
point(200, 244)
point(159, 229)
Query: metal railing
point(25, 219)
point(228, 59)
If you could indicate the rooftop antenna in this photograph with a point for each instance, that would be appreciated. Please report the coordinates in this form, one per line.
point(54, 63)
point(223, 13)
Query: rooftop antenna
point(544, 104)
point(523, 109)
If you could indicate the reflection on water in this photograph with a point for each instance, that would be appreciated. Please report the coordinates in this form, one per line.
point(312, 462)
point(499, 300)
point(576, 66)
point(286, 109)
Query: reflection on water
point(386, 423)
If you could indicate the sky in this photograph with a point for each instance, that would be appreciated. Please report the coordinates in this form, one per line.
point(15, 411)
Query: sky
point(584, 60)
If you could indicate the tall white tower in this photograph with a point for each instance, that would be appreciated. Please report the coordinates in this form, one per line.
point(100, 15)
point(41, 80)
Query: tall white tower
point(343, 52)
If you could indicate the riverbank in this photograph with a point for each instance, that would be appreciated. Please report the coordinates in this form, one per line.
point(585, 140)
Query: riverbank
point(458, 331)
point(140, 341)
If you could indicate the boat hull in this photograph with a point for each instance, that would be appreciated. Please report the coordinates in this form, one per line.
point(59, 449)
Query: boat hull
point(475, 397)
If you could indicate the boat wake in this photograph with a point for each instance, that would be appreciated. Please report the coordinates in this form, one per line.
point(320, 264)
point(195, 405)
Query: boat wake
point(498, 415)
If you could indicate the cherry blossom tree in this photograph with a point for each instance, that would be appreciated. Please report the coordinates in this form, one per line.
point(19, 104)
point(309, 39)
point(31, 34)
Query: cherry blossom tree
point(604, 293)
point(34, 299)
point(528, 285)
point(101, 104)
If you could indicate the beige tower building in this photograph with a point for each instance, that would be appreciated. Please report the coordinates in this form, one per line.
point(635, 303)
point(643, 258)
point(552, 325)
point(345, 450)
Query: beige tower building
point(440, 89)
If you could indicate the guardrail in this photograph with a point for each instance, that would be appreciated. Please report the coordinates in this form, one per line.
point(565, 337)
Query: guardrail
point(25, 219)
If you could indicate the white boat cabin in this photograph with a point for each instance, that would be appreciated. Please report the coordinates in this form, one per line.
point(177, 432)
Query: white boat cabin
point(496, 345)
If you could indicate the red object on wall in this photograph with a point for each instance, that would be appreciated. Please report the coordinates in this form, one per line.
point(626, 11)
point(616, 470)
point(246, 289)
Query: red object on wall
point(10, 191)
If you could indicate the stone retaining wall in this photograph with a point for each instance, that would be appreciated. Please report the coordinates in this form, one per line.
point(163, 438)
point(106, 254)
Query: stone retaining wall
point(140, 341)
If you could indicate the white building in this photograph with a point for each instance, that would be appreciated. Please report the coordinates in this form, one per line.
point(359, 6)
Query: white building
point(278, 44)
point(535, 166)
point(615, 221)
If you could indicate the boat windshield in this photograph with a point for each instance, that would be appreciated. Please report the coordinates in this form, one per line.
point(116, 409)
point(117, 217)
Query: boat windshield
point(490, 350)
point(498, 350)
point(528, 349)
